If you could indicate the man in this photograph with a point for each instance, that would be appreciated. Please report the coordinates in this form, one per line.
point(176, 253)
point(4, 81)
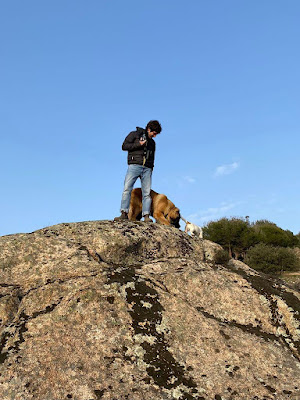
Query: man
point(141, 151)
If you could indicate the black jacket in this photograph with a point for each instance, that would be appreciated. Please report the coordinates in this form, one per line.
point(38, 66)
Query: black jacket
point(137, 154)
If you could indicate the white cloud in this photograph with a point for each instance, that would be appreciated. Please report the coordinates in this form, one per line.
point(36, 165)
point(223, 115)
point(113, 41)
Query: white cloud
point(189, 179)
point(226, 169)
point(183, 181)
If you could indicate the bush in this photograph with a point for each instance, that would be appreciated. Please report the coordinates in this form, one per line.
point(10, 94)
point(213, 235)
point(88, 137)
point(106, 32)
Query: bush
point(269, 233)
point(270, 259)
point(237, 236)
point(221, 257)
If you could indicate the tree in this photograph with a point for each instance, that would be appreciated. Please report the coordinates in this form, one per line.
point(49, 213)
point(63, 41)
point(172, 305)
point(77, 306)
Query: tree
point(270, 233)
point(235, 235)
point(298, 238)
point(268, 258)
point(263, 245)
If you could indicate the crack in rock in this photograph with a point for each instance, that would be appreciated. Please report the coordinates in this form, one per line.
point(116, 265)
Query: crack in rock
point(269, 287)
point(21, 328)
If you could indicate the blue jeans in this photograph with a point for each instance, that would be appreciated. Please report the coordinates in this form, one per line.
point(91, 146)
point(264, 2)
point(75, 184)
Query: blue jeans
point(134, 172)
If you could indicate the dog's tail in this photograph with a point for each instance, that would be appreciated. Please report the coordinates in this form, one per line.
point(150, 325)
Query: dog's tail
point(183, 219)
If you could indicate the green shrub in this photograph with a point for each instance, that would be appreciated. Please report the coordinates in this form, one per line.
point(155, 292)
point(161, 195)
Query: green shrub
point(221, 257)
point(270, 259)
point(240, 239)
point(269, 233)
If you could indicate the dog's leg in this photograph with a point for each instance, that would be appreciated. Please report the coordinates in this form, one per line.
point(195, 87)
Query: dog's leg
point(160, 218)
point(136, 215)
point(135, 212)
point(135, 207)
point(139, 216)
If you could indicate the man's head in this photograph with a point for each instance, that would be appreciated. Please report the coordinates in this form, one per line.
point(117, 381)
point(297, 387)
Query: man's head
point(153, 128)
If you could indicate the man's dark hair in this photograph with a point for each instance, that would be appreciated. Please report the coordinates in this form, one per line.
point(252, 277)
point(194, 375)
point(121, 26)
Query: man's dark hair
point(154, 126)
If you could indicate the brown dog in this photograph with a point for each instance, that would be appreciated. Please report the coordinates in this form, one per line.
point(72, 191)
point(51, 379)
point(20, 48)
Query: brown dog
point(162, 209)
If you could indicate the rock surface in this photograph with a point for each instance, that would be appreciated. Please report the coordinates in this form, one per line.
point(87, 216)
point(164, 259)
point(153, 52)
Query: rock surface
point(124, 310)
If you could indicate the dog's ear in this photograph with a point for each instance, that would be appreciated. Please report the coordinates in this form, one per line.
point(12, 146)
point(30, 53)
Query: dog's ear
point(177, 224)
point(174, 213)
point(174, 217)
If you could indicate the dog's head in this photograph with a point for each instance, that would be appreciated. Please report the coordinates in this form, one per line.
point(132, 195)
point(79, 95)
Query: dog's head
point(174, 217)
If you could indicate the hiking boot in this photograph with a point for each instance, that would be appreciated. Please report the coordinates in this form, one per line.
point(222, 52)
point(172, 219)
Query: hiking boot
point(122, 217)
point(147, 218)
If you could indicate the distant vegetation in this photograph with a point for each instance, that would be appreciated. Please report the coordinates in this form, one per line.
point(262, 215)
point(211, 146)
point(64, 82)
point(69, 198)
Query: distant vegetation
point(262, 245)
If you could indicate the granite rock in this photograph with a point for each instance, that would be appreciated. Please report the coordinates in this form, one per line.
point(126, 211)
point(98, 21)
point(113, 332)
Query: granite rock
point(124, 310)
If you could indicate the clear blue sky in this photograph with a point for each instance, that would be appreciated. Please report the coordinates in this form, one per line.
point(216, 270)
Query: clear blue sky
point(222, 77)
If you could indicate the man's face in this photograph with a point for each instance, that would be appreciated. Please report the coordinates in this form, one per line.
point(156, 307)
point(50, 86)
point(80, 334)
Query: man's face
point(151, 134)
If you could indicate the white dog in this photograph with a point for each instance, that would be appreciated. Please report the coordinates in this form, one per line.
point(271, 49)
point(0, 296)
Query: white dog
point(195, 230)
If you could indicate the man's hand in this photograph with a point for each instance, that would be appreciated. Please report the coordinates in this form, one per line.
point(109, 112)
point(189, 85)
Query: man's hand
point(142, 142)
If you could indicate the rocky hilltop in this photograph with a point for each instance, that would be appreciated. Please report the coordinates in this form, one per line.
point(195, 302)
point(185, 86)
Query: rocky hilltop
point(124, 310)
